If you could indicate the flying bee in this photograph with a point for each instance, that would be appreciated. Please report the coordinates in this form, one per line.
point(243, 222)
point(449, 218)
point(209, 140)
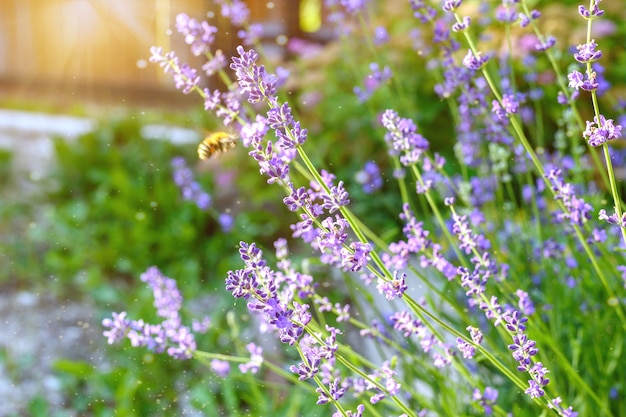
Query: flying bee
point(215, 144)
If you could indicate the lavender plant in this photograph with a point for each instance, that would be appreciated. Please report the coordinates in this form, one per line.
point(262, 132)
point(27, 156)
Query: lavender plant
point(503, 294)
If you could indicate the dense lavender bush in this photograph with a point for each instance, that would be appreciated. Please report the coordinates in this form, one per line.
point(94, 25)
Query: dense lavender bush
point(503, 293)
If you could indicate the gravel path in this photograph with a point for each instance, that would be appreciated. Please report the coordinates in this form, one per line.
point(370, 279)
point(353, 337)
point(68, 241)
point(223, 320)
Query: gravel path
point(38, 330)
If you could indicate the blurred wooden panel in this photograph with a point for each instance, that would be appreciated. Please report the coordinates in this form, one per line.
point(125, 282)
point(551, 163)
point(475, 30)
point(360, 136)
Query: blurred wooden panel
point(82, 46)
point(88, 40)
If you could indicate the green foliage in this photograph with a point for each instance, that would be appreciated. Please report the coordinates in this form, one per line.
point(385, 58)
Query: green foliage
point(5, 165)
point(113, 204)
point(112, 210)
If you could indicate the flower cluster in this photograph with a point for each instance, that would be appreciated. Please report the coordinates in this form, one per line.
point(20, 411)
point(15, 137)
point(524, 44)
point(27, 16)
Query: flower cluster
point(402, 138)
point(369, 177)
point(170, 335)
point(372, 82)
point(601, 130)
point(190, 189)
point(577, 211)
point(261, 286)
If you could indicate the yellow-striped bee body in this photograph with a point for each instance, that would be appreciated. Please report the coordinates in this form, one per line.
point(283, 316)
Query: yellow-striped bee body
point(215, 144)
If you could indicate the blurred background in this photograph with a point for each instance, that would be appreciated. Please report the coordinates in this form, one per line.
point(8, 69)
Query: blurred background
point(86, 51)
point(89, 131)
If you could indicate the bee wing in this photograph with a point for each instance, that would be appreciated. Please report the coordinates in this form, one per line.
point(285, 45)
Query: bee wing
point(215, 144)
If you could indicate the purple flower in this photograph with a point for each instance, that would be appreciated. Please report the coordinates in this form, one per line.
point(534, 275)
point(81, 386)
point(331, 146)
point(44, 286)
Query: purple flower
point(507, 15)
point(215, 64)
point(474, 61)
point(394, 287)
point(451, 5)
point(404, 323)
point(270, 163)
point(369, 177)
point(262, 286)
point(186, 78)
point(252, 35)
point(330, 346)
point(463, 25)
point(118, 326)
point(198, 35)
point(226, 222)
point(612, 219)
point(587, 52)
point(167, 299)
point(461, 228)
point(402, 138)
point(357, 257)
point(304, 229)
point(336, 198)
point(538, 372)
point(522, 350)
point(253, 80)
point(534, 390)
point(169, 335)
point(256, 359)
point(487, 399)
point(526, 19)
point(476, 334)
point(467, 349)
point(298, 198)
point(360, 409)
point(279, 117)
point(380, 35)
point(515, 322)
point(190, 189)
point(241, 283)
point(253, 133)
point(510, 103)
point(168, 62)
point(422, 11)
point(229, 111)
point(334, 233)
point(201, 326)
point(221, 368)
point(525, 303)
point(593, 13)
point(235, 10)
point(353, 6)
point(372, 82)
point(575, 79)
point(335, 392)
point(601, 131)
point(556, 403)
point(308, 368)
point(577, 211)
point(546, 44)
point(211, 99)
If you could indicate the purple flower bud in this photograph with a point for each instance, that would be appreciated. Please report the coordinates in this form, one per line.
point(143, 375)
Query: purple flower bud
point(587, 52)
point(474, 62)
point(451, 5)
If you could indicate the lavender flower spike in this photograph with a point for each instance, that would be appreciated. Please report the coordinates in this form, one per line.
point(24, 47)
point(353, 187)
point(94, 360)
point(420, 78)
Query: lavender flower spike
point(169, 335)
point(402, 138)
